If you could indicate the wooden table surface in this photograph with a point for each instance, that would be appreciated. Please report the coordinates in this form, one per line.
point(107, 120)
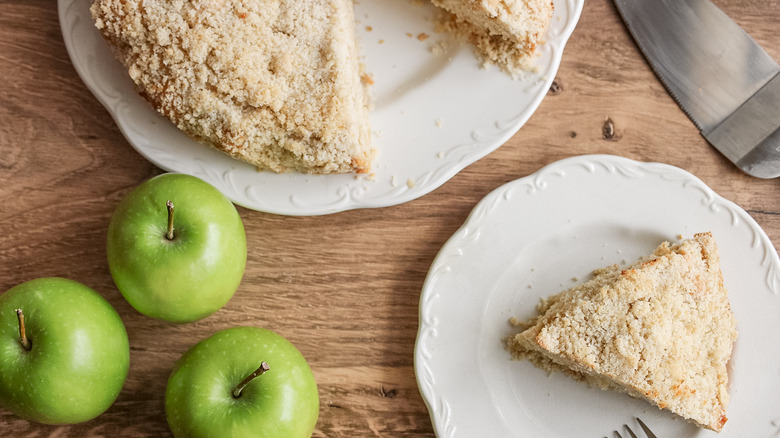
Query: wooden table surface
point(344, 288)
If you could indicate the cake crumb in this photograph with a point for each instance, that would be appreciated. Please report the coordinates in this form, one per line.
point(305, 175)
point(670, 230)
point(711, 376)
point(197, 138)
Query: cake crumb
point(409, 34)
point(438, 48)
point(381, 41)
point(394, 181)
point(423, 36)
point(369, 28)
point(410, 183)
point(439, 123)
point(440, 155)
point(367, 78)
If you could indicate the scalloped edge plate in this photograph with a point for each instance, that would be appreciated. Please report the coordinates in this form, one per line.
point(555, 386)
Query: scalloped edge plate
point(429, 120)
point(543, 233)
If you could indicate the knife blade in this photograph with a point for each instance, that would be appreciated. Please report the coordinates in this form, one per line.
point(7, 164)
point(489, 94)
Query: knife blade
point(723, 80)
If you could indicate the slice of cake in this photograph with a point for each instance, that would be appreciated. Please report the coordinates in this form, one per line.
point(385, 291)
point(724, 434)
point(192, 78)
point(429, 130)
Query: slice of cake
point(504, 32)
point(661, 330)
point(275, 83)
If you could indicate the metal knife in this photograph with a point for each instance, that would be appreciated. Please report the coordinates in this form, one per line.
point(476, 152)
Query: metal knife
point(725, 82)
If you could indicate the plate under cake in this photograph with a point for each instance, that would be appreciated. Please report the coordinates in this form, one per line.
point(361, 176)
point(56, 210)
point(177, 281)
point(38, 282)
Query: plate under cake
point(661, 330)
point(273, 83)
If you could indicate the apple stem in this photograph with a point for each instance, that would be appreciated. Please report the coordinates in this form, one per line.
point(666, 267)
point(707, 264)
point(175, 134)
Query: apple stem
point(169, 235)
point(22, 333)
point(258, 372)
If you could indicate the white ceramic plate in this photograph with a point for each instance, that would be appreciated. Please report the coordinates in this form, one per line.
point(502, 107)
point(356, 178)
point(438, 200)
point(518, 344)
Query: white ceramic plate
point(433, 114)
point(533, 237)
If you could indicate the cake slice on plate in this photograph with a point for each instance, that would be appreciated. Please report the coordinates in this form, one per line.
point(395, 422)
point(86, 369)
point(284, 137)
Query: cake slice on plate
point(661, 330)
point(275, 83)
point(504, 32)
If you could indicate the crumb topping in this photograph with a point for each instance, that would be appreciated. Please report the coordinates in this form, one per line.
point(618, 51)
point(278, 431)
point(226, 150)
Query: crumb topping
point(272, 83)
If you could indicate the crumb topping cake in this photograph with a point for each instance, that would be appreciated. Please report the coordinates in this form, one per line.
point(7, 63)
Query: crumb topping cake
point(273, 83)
point(504, 32)
point(661, 330)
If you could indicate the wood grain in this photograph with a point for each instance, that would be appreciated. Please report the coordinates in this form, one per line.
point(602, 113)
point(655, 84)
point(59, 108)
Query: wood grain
point(345, 287)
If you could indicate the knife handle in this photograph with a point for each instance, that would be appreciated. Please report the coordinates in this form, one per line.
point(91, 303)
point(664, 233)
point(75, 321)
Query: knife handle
point(750, 136)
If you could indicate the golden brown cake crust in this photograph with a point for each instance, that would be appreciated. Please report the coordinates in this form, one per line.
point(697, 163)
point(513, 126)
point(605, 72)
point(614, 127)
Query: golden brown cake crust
point(661, 329)
point(271, 82)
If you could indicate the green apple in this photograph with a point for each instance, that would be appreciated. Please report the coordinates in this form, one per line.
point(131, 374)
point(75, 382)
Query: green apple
point(176, 248)
point(242, 382)
point(64, 353)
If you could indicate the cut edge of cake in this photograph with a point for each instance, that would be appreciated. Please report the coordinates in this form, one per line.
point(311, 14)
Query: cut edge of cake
point(661, 330)
point(504, 33)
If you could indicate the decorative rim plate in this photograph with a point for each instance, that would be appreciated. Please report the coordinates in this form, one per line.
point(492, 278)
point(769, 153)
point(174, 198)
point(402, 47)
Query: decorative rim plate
point(434, 113)
point(543, 233)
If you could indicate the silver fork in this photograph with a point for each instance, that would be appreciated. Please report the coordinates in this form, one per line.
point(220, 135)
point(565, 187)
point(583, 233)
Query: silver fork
point(631, 433)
